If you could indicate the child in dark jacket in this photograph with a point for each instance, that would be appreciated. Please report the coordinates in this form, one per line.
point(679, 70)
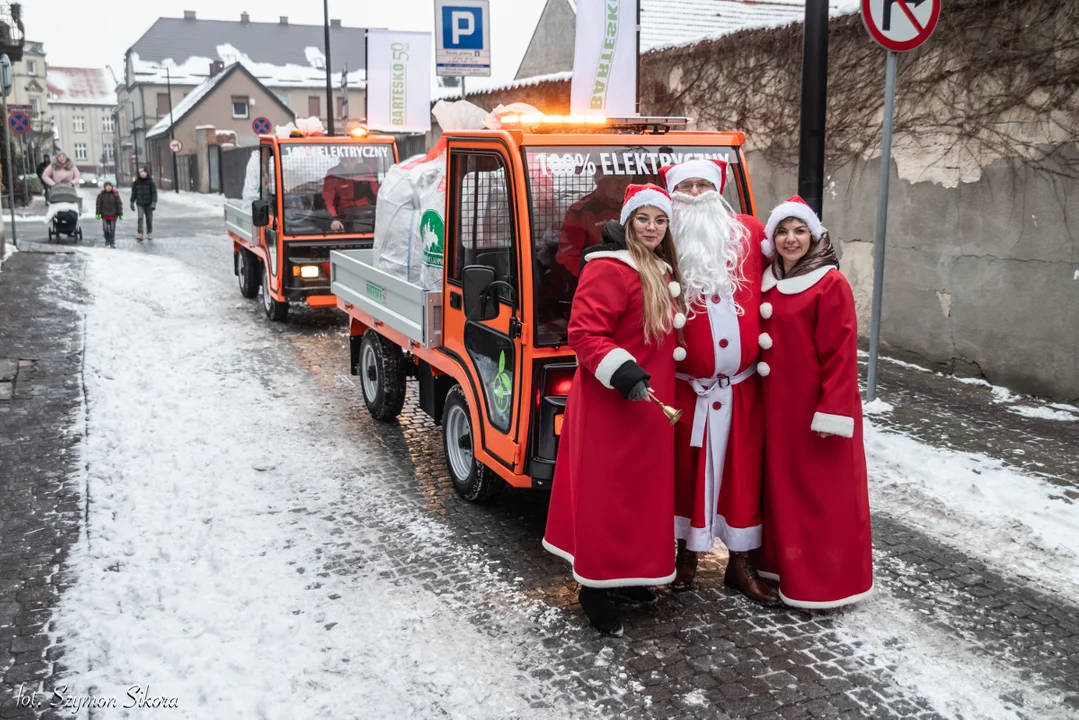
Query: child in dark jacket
point(110, 208)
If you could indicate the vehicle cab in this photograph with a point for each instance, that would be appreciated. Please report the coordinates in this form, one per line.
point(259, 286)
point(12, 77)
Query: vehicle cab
point(315, 195)
point(522, 203)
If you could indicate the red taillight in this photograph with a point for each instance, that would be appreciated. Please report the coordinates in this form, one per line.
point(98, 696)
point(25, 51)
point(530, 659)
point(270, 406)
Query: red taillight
point(557, 384)
point(326, 268)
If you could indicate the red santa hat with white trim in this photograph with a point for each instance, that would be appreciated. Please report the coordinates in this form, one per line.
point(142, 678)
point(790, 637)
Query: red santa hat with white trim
point(639, 196)
point(793, 207)
point(714, 171)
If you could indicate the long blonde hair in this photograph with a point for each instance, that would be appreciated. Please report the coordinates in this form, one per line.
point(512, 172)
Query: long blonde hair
point(659, 306)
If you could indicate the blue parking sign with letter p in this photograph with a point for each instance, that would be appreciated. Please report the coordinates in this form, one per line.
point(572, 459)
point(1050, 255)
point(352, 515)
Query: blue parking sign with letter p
point(462, 28)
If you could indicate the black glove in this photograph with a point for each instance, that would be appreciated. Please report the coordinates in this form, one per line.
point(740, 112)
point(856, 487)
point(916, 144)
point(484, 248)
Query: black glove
point(639, 391)
point(153, 208)
point(626, 378)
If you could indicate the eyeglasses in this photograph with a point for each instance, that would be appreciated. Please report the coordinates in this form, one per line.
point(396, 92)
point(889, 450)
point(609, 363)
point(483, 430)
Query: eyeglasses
point(645, 221)
point(688, 185)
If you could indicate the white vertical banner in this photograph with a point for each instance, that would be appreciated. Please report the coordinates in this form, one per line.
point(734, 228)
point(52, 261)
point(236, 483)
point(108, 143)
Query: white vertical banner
point(605, 59)
point(398, 81)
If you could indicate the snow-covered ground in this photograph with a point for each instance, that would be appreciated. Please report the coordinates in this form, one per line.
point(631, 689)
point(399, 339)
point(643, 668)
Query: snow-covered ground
point(200, 571)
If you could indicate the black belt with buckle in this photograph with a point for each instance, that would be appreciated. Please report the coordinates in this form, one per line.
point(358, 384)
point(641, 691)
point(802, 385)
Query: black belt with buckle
point(724, 381)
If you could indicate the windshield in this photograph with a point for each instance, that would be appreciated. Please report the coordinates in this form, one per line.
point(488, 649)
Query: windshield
point(332, 188)
point(573, 192)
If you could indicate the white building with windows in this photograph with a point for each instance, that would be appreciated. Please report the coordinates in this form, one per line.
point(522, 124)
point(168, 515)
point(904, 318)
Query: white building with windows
point(83, 106)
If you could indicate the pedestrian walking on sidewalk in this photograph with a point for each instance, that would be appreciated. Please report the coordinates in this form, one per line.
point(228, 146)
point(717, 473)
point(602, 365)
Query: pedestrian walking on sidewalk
point(144, 199)
point(612, 502)
point(41, 168)
point(817, 536)
point(110, 208)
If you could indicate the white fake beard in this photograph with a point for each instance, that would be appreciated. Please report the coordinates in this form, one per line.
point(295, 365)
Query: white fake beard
point(711, 247)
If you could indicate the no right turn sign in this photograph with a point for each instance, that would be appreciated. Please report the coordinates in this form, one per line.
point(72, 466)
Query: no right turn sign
point(900, 25)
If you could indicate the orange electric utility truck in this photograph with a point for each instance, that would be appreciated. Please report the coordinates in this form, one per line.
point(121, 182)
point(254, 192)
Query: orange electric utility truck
point(487, 345)
point(314, 195)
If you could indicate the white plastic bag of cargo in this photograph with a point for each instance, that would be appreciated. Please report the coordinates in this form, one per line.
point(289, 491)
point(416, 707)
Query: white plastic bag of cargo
point(251, 178)
point(458, 115)
point(493, 120)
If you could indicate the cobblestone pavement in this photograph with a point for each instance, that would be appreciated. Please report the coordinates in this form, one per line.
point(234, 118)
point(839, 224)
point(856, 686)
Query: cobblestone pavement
point(39, 506)
point(946, 635)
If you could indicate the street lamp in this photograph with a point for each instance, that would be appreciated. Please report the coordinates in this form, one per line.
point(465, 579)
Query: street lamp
point(329, 85)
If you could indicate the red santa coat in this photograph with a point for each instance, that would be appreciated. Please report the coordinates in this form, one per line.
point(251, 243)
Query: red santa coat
point(720, 439)
point(817, 535)
point(613, 493)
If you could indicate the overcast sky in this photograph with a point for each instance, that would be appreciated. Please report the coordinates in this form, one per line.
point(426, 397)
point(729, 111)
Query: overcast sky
point(82, 33)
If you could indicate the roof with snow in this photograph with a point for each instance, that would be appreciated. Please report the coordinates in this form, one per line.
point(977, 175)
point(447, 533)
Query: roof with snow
point(202, 91)
point(477, 86)
point(278, 54)
point(80, 86)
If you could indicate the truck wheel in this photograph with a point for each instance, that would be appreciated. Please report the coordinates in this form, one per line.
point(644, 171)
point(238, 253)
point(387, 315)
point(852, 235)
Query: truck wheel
point(276, 311)
point(472, 480)
point(247, 270)
point(382, 371)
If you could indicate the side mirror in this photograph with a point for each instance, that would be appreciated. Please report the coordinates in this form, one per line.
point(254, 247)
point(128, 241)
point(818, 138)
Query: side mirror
point(479, 304)
point(260, 213)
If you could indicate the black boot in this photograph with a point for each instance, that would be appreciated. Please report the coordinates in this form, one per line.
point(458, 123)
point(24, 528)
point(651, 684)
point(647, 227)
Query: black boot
point(637, 594)
point(602, 613)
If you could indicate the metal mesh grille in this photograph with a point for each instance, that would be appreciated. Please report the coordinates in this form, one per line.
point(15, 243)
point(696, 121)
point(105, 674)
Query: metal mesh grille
point(486, 229)
point(346, 177)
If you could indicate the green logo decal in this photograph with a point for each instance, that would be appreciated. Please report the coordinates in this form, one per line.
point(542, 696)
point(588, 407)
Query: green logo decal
point(433, 232)
point(374, 292)
point(602, 80)
point(503, 389)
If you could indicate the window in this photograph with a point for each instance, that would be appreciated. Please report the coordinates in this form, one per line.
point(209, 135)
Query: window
point(31, 67)
point(80, 124)
point(485, 229)
point(35, 107)
point(108, 124)
point(241, 108)
point(110, 153)
point(162, 104)
point(342, 108)
point(314, 106)
point(80, 151)
point(326, 184)
point(283, 97)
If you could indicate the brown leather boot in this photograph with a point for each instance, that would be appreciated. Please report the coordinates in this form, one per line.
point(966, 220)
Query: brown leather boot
point(685, 566)
point(742, 576)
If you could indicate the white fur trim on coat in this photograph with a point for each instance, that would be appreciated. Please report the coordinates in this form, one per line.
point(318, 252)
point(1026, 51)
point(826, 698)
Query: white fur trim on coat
point(615, 582)
point(675, 289)
point(679, 354)
point(610, 363)
point(796, 210)
point(679, 321)
point(763, 369)
point(646, 198)
point(840, 425)
point(619, 255)
point(765, 341)
point(766, 310)
point(795, 285)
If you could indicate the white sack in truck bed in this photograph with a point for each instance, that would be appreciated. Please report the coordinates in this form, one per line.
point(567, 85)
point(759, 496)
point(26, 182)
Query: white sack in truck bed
point(409, 221)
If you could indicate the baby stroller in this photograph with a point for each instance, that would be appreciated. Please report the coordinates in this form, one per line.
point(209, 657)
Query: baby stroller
point(65, 207)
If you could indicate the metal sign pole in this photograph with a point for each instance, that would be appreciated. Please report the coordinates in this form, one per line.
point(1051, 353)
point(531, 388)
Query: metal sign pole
point(172, 131)
point(882, 224)
point(10, 175)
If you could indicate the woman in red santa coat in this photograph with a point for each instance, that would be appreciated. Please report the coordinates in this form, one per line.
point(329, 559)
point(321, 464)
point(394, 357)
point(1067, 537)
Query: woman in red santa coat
point(613, 493)
point(817, 535)
point(719, 443)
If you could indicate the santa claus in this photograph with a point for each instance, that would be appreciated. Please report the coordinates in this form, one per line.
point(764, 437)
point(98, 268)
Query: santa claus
point(719, 441)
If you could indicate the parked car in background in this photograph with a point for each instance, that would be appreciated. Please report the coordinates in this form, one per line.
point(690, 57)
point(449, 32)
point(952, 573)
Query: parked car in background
point(89, 179)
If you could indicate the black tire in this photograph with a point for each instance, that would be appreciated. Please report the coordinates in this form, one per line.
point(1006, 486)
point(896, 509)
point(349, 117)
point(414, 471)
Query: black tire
point(472, 480)
point(382, 372)
point(275, 310)
point(247, 270)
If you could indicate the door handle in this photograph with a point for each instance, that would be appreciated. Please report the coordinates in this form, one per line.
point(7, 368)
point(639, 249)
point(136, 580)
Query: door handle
point(455, 300)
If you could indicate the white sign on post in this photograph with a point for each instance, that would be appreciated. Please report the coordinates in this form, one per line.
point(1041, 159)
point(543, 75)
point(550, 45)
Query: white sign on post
point(463, 38)
point(398, 81)
point(605, 59)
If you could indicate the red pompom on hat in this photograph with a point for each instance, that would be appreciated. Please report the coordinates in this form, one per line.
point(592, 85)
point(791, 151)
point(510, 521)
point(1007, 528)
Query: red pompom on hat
point(639, 196)
point(794, 207)
point(714, 171)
